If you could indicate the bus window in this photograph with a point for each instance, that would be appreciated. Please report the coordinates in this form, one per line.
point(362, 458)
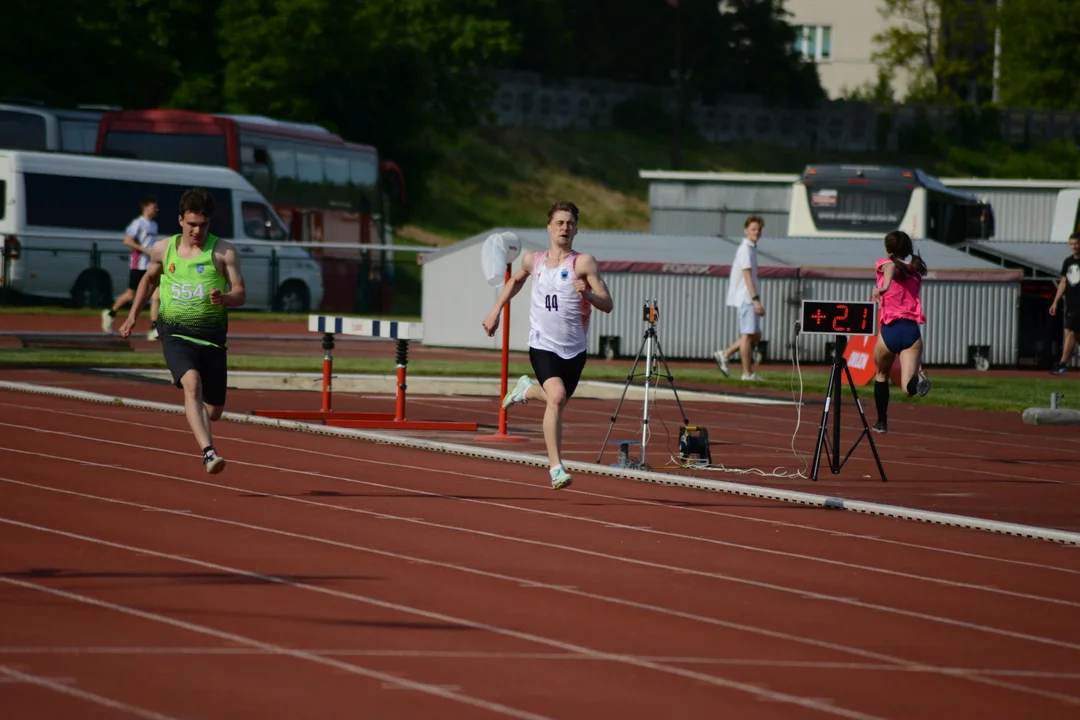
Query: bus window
point(363, 171)
point(309, 171)
point(337, 182)
point(22, 131)
point(854, 207)
point(255, 166)
point(86, 203)
point(190, 149)
point(260, 223)
point(282, 172)
point(78, 136)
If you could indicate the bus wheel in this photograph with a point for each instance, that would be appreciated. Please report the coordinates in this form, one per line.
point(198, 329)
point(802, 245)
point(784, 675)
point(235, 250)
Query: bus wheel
point(293, 296)
point(92, 289)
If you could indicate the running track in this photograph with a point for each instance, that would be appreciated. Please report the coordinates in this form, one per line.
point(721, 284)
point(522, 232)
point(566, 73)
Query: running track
point(326, 577)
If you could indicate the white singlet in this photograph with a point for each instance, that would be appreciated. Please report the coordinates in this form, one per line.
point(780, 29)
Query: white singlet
point(558, 315)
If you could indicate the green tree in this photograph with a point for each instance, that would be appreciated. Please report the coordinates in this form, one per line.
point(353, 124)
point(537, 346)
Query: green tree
point(1040, 54)
point(945, 46)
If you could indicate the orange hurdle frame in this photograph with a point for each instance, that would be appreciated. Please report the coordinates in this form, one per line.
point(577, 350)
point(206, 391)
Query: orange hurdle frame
point(364, 420)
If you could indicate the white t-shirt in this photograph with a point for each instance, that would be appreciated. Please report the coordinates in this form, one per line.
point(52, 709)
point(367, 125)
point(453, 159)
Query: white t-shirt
point(558, 316)
point(745, 257)
point(144, 232)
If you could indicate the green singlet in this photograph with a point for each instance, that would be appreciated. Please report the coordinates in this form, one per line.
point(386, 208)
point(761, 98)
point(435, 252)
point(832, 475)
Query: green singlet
point(185, 310)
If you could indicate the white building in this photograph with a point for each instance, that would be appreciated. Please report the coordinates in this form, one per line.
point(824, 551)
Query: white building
point(973, 301)
point(839, 36)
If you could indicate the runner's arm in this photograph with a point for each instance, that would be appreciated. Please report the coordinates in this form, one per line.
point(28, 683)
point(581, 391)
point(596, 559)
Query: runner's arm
point(230, 261)
point(151, 279)
point(597, 293)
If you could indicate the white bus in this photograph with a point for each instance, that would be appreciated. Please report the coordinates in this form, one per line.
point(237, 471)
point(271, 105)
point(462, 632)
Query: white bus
point(871, 201)
point(62, 221)
point(33, 127)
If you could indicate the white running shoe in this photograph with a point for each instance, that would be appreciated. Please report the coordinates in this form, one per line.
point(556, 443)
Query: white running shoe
point(752, 377)
point(721, 361)
point(152, 335)
point(517, 395)
point(923, 386)
point(560, 478)
point(214, 463)
point(106, 322)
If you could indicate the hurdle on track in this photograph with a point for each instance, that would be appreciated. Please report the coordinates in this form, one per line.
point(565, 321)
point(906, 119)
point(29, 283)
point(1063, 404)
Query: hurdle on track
point(402, 333)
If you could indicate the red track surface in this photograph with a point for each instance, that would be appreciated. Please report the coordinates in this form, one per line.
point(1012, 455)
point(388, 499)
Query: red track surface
point(327, 577)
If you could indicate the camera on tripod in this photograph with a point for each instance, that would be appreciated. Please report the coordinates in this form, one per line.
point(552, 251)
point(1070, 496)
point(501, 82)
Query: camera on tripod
point(650, 312)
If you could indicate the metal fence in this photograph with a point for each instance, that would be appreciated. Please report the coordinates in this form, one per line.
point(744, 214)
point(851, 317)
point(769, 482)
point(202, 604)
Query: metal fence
point(91, 270)
point(962, 317)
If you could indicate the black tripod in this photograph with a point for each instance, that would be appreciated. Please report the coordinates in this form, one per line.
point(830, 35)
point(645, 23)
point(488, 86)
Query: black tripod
point(832, 402)
point(650, 346)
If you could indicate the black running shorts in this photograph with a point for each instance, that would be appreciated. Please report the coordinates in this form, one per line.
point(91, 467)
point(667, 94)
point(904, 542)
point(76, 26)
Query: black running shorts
point(547, 364)
point(1072, 321)
point(134, 278)
point(207, 360)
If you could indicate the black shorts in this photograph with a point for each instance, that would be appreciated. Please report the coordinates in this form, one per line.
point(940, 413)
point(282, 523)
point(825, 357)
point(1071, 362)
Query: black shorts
point(134, 278)
point(547, 364)
point(1072, 321)
point(207, 360)
point(899, 335)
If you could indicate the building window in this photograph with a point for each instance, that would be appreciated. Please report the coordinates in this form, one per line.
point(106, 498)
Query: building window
point(814, 42)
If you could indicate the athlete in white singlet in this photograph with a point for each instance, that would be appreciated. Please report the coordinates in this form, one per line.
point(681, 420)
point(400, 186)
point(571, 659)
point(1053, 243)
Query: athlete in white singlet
point(566, 287)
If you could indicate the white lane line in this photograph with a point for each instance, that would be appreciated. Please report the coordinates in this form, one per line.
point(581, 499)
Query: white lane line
point(579, 518)
point(806, 594)
point(57, 687)
point(575, 491)
point(713, 680)
point(124, 650)
point(270, 648)
point(763, 632)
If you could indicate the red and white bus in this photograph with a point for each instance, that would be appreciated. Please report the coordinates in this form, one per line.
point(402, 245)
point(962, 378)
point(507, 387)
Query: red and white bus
point(325, 189)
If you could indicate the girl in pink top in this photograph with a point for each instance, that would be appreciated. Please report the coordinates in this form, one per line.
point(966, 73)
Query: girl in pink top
point(899, 284)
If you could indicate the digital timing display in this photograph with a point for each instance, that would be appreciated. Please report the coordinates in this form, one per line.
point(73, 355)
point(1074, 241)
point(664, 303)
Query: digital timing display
point(839, 318)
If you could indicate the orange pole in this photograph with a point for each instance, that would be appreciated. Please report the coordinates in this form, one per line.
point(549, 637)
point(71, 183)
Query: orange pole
point(327, 373)
point(399, 410)
point(505, 380)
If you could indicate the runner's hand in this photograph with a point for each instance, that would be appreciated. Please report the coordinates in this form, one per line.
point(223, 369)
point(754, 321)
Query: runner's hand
point(127, 327)
point(217, 297)
point(491, 324)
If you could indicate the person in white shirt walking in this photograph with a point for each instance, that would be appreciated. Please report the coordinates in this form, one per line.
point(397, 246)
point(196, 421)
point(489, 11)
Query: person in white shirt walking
point(566, 286)
point(140, 236)
point(743, 294)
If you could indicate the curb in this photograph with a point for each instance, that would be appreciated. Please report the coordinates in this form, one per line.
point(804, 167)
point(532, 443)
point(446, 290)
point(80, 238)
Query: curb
point(732, 488)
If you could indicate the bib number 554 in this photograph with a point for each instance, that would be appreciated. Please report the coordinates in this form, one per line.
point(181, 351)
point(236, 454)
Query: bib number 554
point(188, 291)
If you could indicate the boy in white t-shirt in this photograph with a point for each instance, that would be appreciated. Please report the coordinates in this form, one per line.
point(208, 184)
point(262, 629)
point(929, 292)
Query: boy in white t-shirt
point(140, 236)
point(743, 294)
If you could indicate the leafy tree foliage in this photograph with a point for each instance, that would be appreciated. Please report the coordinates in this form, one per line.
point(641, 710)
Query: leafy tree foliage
point(1040, 54)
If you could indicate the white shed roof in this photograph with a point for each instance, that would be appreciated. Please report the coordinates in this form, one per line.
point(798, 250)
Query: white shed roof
point(620, 246)
point(643, 247)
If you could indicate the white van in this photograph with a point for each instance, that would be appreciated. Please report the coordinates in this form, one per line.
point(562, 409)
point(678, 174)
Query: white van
point(62, 221)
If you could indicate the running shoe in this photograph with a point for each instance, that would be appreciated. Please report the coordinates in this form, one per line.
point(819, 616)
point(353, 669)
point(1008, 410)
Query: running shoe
point(1059, 369)
point(881, 427)
point(106, 322)
point(517, 395)
point(721, 362)
point(752, 377)
point(560, 478)
point(153, 334)
point(214, 463)
point(923, 386)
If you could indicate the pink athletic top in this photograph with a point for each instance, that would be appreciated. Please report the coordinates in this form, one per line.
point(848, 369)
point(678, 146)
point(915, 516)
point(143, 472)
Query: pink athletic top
point(901, 301)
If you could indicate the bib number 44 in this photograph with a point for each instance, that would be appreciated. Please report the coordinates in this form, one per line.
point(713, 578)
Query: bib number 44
point(551, 302)
point(188, 291)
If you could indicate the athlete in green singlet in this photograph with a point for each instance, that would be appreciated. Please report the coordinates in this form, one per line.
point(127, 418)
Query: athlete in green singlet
point(194, 270)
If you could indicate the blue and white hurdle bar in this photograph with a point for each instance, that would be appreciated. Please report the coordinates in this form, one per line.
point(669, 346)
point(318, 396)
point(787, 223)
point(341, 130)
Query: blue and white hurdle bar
point(402, 333)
